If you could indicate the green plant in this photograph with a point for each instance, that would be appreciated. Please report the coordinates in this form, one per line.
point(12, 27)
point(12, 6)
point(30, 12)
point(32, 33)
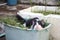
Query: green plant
point(45, 12)
point(31, 4)
point(58, 4)
point(11, 21)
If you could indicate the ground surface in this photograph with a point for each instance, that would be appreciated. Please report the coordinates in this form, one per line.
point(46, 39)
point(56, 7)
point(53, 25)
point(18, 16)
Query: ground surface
point(4, 11)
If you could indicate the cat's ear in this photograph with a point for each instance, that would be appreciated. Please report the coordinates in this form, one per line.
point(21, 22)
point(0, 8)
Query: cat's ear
point(20, 18)
point(42, 21)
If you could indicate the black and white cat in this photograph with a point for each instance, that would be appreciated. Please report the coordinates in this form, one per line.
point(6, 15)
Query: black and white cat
point(33, 23)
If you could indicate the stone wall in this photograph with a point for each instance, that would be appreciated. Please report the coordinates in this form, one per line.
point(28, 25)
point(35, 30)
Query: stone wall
point(48, 2)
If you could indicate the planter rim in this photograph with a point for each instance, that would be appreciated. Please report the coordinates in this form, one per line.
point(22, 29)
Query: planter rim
point(53, 16)
point(40, 6)
point(48, 8)
point(19, 28)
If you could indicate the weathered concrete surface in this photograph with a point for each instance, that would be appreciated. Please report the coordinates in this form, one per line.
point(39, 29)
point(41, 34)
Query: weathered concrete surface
point(55, 30)
point(53, 19)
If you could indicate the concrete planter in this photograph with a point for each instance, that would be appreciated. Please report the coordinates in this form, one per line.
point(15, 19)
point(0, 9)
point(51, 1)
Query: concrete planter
point(51, 18)
point(41, 8)
point(15, 33)
point(55, 30)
